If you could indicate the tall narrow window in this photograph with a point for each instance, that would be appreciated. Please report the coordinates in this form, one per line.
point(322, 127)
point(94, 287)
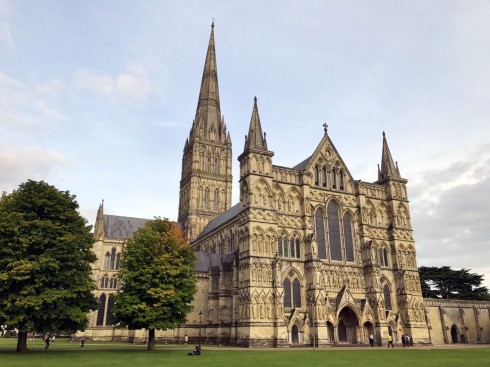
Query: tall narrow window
point(292, 291)
point(279, 246)
point(110, 306)
point(298, 253)
point(387, 294)
point(348, 240)
point(296, 293)
point(385, 257)
point(320, 234)
point(101, 311)
point(287, 293)
point(316, 176)
point(206, 198)
point(112, 266)
point(341, 180)
point(207, 163)
point(291, 248)
point(334, 231)
point(216, 199)
point(217, 163)
point(285, 244)
point(324, 177)
point(118, 260)
point(334, 179)
point(107, 261)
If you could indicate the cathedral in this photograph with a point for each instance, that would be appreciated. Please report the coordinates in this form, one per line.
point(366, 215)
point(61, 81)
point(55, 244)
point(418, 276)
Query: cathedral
point(309, 256)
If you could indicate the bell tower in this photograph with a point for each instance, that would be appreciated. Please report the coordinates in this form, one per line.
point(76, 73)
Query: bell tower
point(206, 181)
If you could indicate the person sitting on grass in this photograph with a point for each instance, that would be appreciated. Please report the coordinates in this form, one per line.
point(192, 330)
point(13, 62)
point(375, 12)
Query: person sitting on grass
point(195, 352)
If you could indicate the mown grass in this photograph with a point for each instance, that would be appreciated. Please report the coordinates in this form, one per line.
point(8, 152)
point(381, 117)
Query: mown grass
point(65, 354)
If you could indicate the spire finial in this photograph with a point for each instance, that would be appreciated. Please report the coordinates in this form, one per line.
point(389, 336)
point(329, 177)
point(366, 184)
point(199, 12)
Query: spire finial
point(384, 134)
point(212, 24)
point(255, 99)
point(325, 127)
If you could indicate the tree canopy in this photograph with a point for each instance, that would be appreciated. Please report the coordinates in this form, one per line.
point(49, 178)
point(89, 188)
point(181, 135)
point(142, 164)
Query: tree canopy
point(444, 282)
point(45, 262)
point(157, 277)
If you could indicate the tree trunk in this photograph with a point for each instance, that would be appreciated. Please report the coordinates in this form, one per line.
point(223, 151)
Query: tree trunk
point(22, 341)
point(151, 339)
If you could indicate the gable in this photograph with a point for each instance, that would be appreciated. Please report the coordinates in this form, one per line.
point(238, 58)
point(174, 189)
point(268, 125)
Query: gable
point(325, 156)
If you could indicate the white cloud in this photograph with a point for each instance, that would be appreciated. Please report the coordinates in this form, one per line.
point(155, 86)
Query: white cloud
point(131, 86)
point(450, 212)
point(20, 164)
point(28, 108)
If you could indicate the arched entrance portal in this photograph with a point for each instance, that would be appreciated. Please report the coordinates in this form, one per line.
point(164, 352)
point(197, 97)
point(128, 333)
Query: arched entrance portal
point(295, 334)
point(454, 334)
point(347, 326)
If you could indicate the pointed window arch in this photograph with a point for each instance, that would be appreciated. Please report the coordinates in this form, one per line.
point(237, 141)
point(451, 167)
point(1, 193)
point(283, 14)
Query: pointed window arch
point(334, 231)
point(320, 234)
point(292, 290)
point(383, 256)
point(348, 238)
point(101, 311)
point(387, 295)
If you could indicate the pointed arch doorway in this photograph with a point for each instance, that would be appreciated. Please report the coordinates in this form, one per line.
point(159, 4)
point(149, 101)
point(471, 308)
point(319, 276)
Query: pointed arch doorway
point(295, 334)
point(454, 334)
point(347, 326)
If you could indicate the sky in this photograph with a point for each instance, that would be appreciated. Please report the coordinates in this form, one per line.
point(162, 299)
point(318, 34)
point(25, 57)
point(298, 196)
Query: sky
point(97, 97)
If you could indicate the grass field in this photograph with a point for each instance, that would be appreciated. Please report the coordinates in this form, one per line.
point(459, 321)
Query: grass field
point(65, 354)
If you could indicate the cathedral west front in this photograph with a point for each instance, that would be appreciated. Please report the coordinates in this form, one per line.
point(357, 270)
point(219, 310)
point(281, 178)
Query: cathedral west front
point(308, 256)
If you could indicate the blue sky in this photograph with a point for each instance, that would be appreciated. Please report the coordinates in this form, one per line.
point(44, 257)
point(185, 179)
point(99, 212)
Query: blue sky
point(97, 97)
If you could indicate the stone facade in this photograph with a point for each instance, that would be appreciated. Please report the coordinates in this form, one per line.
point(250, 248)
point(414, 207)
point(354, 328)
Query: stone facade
point(308, 256)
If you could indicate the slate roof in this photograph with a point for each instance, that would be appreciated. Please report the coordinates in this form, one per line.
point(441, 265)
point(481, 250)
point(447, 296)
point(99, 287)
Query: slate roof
point(220, 219)
point(119, 227)
point(303, 164)
point(205, 260)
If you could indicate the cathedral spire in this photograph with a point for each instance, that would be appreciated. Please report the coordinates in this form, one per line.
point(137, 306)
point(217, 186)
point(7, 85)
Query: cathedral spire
point(255, 139)
point(208, 114)
point(388, 168)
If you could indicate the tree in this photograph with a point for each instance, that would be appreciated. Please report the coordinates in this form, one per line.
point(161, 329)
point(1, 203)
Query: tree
point(444, 282)
point(157, 277)
point(45, 262)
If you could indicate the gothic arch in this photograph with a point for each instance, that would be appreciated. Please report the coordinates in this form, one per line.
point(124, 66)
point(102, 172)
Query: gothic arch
point(348, 321)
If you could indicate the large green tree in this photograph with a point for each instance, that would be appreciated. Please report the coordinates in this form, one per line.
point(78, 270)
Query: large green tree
point(157, 277)
point(444, 282)
point(45, 262)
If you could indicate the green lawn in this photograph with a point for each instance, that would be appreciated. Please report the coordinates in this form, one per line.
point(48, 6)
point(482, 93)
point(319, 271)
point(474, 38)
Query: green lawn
point(65, 354)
